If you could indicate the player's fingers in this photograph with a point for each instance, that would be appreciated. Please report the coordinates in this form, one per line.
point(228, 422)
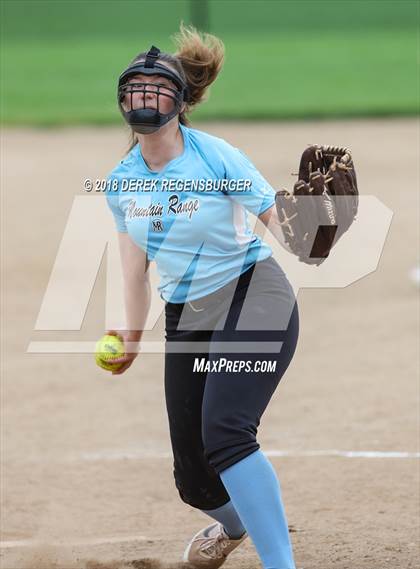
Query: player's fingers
point(122, 368)
point(114, 333)
point(122, 359)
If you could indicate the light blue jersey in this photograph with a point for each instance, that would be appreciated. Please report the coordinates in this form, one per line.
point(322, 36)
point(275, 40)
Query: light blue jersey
point(191, 217)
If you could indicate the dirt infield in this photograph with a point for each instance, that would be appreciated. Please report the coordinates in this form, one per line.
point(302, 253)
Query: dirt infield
point(86, 467)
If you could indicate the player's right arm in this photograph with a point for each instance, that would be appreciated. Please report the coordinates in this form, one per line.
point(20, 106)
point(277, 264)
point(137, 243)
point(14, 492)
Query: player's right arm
point(137, 292)
point(137, 297)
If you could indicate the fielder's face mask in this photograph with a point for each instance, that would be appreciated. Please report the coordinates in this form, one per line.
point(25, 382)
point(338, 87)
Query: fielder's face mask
point(147, 120)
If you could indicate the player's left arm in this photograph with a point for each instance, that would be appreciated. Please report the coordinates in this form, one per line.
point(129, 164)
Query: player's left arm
point(271, 220)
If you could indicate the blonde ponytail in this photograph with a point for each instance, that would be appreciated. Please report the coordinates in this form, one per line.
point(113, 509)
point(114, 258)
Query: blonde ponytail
point(201, 56)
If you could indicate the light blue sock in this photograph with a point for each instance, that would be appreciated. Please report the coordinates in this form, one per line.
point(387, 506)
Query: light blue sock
point(254, 490)
point(229, 519)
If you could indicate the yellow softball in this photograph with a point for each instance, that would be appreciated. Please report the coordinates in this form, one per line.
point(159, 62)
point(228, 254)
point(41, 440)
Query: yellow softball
point(109, 348)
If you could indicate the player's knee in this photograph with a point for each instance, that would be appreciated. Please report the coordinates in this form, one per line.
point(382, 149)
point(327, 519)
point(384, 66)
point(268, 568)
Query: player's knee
point(199, 486)
point(226, 443)
point(188, 493)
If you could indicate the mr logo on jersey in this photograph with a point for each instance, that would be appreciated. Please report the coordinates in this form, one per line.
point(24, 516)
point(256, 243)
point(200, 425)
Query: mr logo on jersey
point(143, 113)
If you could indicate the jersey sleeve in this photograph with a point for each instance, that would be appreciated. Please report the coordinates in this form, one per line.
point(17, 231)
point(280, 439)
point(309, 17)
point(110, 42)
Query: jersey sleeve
point(260, 195)
point(119, 215)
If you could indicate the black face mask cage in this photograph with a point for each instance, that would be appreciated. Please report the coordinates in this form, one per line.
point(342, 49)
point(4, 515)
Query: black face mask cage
point(125, 95)
point(147, 120)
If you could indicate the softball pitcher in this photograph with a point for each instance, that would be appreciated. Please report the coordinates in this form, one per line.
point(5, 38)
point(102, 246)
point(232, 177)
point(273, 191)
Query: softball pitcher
point(231, 315)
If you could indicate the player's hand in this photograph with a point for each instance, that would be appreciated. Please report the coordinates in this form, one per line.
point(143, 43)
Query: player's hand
point(131, 340)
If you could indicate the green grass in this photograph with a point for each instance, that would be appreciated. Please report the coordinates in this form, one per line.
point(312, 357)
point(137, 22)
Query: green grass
point(23, 19)
point(60, 63)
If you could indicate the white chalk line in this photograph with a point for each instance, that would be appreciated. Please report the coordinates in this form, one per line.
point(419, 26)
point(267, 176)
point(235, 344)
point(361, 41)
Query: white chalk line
point(141, 455)
point(109, 455)
point(79, 543)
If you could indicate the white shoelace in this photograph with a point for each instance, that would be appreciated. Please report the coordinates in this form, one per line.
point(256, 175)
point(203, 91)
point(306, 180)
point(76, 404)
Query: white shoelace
point(215, 550)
